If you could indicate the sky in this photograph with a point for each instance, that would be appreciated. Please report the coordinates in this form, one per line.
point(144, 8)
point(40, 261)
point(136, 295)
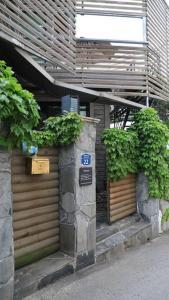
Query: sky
point(115, 28)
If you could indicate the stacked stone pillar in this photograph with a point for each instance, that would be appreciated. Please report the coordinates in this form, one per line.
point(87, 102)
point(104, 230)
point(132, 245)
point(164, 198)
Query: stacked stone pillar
point(78, 203)
point(6, 230)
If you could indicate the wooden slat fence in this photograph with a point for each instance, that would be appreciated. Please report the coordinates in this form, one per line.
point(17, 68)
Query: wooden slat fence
point(45, 27)
point(35, 209)
point(122, 198)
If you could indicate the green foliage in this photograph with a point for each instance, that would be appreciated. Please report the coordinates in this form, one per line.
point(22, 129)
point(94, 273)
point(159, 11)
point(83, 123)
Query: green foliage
point(142, 148)
point(43, 138)
point(66, 128)
point(18, 110)
point(162, 107)
point(165, 216)
point(19, 115)
point(153, 156)
point(121, 147)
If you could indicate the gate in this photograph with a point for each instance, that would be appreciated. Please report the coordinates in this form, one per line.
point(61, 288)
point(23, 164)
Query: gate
point(35, 209)
point(122, 198)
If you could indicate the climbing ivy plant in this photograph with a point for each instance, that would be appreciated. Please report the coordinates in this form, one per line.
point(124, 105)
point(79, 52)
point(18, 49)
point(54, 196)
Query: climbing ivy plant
point(142, 148)
point(19, 112)
point(121, 149)
point(19, 117)
point(60, 130)
point(66, 128)
point(153, 156)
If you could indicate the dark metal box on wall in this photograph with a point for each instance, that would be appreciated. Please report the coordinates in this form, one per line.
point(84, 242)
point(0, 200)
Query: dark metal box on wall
point(37, 165)
point(70, 104)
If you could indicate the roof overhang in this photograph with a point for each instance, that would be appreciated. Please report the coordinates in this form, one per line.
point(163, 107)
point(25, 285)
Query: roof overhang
point(25, 66)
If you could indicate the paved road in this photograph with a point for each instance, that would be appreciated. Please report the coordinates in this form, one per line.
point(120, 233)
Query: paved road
point(141, 274)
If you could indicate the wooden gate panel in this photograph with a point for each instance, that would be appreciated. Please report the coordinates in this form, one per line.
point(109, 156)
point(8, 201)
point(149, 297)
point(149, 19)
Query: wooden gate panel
point(122, 198)
point(35, 209)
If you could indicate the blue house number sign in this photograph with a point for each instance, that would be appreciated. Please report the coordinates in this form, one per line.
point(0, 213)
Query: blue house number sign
point(85, 159)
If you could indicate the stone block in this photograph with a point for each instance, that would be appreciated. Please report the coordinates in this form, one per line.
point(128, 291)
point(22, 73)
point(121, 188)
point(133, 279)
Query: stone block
point(89, 210)
point(84, 260)
point(67, 177)
point(68, 202)
point(5, 161)
point(142, 193)
point(91, 235)
point(86, 141)
point(6, 290)
point(66, 156)
point(155, 226)
point(68, 239)
point(165, 226)
point(82, 229)
point(5, 195)
point(85, 195)
point(150, 208)
point(6, 269)
point(6, 237)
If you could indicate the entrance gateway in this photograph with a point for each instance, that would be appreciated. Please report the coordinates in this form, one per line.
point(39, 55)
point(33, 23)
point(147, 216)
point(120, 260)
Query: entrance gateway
point(36, 198)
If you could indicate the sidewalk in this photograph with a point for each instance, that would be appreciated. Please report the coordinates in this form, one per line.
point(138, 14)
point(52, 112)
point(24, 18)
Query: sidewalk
point(141, 274)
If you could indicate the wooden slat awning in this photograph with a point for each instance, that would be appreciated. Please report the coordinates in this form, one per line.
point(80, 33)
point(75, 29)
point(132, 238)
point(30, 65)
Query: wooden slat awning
point(25, 66)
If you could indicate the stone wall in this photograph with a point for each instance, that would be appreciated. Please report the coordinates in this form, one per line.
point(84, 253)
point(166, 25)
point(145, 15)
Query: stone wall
point(6, 229)
point(78, 203)
point(148, 207)
point(163, 206)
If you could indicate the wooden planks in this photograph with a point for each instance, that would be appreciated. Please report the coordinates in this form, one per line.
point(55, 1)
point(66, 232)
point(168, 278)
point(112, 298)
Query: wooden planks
point(125, 70)
point(35, 208)
point(158, 39)
point(134, 8)
point(45, 27)
point(122, 198)
point(109, 67)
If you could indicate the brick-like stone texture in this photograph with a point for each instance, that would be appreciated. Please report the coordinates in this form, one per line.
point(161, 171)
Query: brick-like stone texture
point(6, 230)
point(148, 208)
point(78, 203)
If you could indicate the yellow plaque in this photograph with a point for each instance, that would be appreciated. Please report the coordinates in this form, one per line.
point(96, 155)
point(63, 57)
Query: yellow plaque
point(38, 165)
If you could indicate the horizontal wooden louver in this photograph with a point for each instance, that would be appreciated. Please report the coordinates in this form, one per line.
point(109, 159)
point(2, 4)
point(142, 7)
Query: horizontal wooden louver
point(35, 209)
point(123, 69)
point(122, 198)
point(46, 28)
point(131, 8)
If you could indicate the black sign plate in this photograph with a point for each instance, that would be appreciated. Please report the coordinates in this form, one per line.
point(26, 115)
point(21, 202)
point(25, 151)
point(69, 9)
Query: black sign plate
point(85, 176)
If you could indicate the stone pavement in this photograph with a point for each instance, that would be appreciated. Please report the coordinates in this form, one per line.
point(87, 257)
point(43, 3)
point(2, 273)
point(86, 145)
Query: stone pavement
point(141, 274)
